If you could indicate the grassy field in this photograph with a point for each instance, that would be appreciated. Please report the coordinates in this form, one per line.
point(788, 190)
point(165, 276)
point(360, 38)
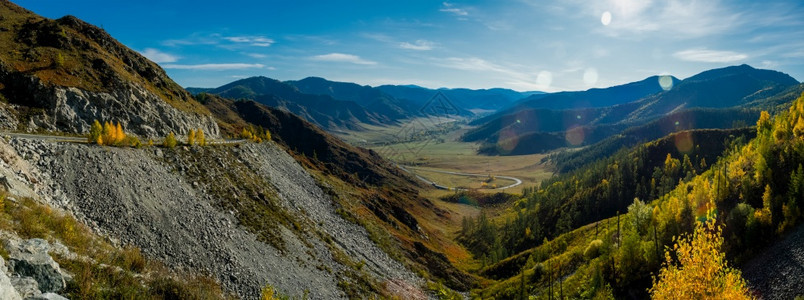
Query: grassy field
point(443, 151)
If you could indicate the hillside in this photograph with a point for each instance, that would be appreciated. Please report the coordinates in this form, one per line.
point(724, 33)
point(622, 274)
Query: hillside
point(60, 75)
point(338, 221)
point(463, 99)
point(752, 190)
point(322, 110)
point(539, 130)
point(372, 99)
point(599, 97)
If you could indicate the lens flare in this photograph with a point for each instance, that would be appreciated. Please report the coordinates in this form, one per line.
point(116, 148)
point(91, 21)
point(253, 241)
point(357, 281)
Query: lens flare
point(666, 82)
point(544, 79)
point(575, 136)
point(684, 142)
point(590, 76)
point(605, 18)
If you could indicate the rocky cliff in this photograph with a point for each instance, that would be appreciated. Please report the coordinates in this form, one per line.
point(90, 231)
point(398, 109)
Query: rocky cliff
point(61, 75)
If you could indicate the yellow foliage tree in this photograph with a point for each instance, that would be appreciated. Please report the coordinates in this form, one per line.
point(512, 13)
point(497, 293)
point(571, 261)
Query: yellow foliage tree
point(95, 133)
point(170, 141)
point(764, 215)
point(702, 271)
point(119, 135)
point(108, 133)
point(267, 135)
point(764, 122)
point(199, 136)
point(191, 137)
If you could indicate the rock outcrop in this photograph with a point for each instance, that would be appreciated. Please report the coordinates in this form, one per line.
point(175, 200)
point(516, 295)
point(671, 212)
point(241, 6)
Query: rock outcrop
point(30, 258)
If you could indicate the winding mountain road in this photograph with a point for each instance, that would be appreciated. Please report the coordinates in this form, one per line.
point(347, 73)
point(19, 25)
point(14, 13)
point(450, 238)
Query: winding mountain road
point(79, 139)
point(517, 181)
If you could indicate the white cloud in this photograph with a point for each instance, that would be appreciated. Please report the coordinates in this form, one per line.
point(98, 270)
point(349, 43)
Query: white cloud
point(159, 56)
point(341, 57)
point(450, 8)
point(215, 67)
point(256, 55)
point(257, 41)
point(711, 56)
point(420, 45)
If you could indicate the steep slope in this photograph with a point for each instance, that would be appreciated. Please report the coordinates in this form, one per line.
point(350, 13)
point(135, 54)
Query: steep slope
point(323, 110)
point(372, 99)
point(63, 74)
point(753, 192)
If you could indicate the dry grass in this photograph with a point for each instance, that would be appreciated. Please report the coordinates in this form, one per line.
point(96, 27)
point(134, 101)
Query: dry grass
point(101, 271)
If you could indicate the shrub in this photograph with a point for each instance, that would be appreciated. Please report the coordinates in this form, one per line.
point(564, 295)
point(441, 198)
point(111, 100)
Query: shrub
point(593, 249)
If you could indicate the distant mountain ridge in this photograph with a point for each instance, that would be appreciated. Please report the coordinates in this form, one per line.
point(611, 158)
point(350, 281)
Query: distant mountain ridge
point(729, 87)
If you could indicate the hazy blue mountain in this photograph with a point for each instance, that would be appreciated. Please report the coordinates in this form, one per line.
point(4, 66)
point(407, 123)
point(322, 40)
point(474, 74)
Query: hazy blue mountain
point(731, 87)
point(465, 99)
point(322, 110)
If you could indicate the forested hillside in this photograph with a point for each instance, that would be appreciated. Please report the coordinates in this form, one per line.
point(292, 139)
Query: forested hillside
point(753, 191)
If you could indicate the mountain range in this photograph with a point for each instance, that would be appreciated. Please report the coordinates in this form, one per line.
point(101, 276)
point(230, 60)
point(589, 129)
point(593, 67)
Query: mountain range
point(530, 128)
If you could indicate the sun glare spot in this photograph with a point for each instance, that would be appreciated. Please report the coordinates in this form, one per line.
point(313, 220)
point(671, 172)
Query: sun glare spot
point(605, 18)
point(684, 142)
point(666, 82)
point(544, 79)
point(578, 117)
point(590, 76)
point(575, 136)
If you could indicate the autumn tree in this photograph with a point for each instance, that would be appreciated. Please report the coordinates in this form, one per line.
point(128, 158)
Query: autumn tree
point(95, 133)
point(170, 141)
point(199, 136)
point(701, 271)
point(191, 137)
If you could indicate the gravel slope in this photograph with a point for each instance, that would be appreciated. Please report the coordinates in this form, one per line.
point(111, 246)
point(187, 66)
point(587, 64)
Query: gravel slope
point(778, 271)
point(135, 196)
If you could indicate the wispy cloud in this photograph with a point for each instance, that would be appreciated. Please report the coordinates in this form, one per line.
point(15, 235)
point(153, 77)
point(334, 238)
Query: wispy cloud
point(671, 18)
point(159, 56)
point(511, 76)
point(451, 8)
point(256, 55)
point(215, 67)
point(420, 45)
point(711, 56)
point(341, 57)
point(257, 41)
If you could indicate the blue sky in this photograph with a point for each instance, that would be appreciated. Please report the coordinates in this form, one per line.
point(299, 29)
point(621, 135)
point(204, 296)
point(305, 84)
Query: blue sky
point(523, 45)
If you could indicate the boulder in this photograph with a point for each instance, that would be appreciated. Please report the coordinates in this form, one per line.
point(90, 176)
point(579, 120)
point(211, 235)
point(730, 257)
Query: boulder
point(7, 290)
point(47, 296)
point(26, 286)
point(30, 258)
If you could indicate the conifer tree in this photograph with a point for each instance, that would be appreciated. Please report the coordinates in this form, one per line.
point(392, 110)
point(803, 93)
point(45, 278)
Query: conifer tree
point(170, 141)
point(202, 141)
point(191, 137)
point(95, 132)
point(119, 134)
